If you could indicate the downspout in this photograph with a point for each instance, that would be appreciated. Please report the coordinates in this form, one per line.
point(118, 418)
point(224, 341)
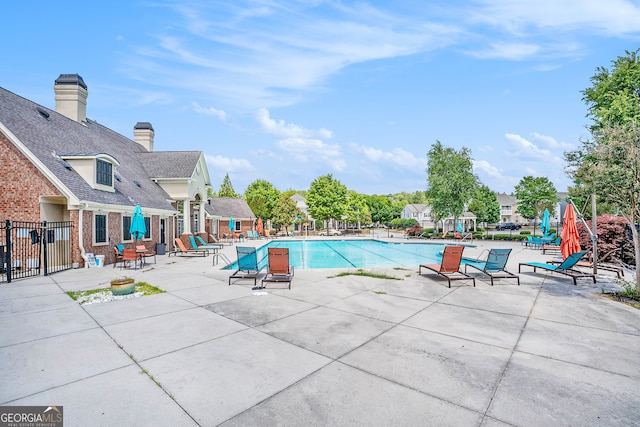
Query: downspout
point(83, 254)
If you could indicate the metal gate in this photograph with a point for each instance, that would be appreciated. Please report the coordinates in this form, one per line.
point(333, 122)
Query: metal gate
point(27, 248)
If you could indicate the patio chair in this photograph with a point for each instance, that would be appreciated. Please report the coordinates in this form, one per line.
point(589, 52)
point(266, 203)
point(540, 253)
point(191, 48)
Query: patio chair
point(144, 253)
point(279, 268)
point(214, 239)
point(182, 250)
point(197, 247)
point(202, 244)
point(248, 265)
point(494, 266)
point(443, 236)
point(118, 248)
point(565, 267)
point(129, 255)
point(586, 263)
point(449, 268)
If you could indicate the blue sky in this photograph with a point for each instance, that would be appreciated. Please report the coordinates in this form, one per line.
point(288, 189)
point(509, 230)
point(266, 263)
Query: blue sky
point(291, 90)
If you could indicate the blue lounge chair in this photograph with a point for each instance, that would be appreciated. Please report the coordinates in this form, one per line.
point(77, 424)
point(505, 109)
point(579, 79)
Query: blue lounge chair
point(566, 267)
point(204, 245)
point(248, 265)
point(494, 266)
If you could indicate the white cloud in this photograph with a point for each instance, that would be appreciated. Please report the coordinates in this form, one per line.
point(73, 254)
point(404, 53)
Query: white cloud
point(307, 150)
point(287, 130)
point(527, 150)
point(397, 157)
point(511, 51)
point(551, 142)
point(227, 164)
point(209, 111)
point(612, 17)
point(487, 168)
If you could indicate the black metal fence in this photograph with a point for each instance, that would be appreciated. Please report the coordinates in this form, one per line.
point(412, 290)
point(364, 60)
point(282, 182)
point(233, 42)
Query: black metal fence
point(30, 248)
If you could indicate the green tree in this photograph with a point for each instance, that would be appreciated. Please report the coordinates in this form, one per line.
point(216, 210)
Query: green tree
point(357, 210)
point(609, 166)
point(327, 198)
point(286, 212)
point(380, 208)
point(226, 189)
point(262, 197)
point(613, 100)
point(485, 205)
point(534, 196)
point(450, 178)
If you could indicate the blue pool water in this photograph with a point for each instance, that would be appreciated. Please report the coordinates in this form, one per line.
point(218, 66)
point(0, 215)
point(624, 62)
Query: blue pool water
point(310, 254)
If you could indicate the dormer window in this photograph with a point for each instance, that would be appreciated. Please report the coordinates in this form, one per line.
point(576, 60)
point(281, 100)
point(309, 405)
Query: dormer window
point(104, 173)
point(97, 169)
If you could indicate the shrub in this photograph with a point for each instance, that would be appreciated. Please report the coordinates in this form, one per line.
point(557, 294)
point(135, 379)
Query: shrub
point(403, 223)
point(480, 229)
point(477, 235)
point(415, 230)
point(613, 242)
point(515, 237)
point(525, 232)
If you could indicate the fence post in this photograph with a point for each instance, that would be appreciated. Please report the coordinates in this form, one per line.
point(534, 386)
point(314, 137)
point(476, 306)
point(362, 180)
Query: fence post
point(7, 254)
point(43, 242)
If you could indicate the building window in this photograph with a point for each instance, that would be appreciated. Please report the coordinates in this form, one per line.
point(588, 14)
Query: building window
point(238, 227)
point(147, 224)
point(104, 174)
point(100, 229)
point(126, 226)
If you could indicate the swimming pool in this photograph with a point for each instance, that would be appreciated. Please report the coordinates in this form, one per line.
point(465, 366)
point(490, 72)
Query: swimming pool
point(311, 254)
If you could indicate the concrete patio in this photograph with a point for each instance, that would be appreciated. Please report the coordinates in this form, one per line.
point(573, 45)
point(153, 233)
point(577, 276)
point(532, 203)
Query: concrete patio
point(331, 351)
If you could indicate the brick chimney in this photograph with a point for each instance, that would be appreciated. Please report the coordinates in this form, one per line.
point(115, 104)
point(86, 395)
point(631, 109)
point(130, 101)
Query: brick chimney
point(71, 97)
point(143, 135)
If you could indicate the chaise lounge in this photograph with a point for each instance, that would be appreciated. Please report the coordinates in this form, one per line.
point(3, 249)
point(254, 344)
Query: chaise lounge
point(449, 268)
point(565, 267)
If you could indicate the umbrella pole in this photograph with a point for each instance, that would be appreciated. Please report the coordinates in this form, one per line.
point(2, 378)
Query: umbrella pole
point(593, 234)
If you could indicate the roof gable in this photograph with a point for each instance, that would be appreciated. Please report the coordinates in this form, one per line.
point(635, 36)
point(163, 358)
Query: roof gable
point(46, 134)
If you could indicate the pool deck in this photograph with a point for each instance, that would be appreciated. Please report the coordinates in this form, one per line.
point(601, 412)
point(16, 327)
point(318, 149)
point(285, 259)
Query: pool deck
point(331, 351)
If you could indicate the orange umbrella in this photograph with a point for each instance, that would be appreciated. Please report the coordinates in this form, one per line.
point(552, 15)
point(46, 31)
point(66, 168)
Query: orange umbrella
point(259, 225)
point(570, 243)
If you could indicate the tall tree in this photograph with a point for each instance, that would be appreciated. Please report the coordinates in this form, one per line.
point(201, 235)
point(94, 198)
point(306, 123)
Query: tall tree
point(450, 180)
point(226, 189)
point(485, 205)
point(327, 198)
point(262, 197)
point(380, 208)
point(357, 210)
point(614, 97)
point(534, 196)
point(286, 212)
point(607, 165)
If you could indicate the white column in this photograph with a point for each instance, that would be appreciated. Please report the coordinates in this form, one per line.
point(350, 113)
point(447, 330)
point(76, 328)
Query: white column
point(201, 228)
point(187, 216)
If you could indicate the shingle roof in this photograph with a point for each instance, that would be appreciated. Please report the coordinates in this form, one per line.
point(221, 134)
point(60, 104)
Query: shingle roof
point(170, 164)
point(225, 207)
point(48, 137)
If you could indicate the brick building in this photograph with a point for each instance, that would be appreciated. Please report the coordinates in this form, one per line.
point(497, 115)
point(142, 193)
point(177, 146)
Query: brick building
point(61, 166)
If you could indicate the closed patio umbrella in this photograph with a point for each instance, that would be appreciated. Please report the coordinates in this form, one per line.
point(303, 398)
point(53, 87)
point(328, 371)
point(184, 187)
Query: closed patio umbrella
point(232, 224)
point(570, 243)
point(260, 226)
point(459, 226)
point(545, 223)
point(137, 229)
